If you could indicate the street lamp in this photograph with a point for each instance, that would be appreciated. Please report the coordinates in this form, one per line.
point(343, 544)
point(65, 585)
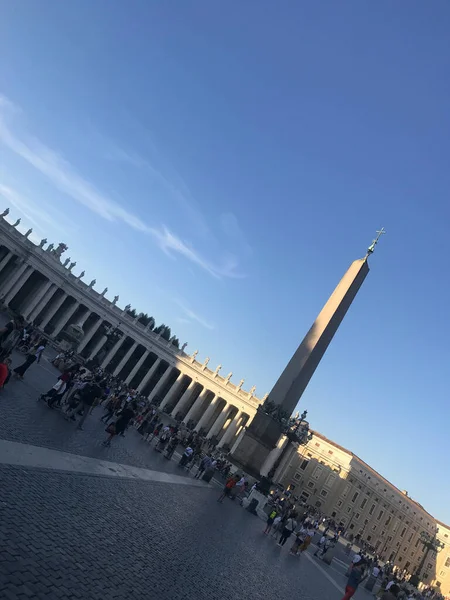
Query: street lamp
point(296, 429)
point(429, 543)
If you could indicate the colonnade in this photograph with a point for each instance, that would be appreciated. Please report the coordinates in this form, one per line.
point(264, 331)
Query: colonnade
point(178, 384)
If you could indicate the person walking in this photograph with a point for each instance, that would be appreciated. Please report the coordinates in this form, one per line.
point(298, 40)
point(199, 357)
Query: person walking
point(202, 466)
point(34, 356)
point(355, 578)
point(229, 485)
point(88, 396)
point(111, 407)
point(124, 418)
point(10, 335)
point(269, 523)
point(289, 527)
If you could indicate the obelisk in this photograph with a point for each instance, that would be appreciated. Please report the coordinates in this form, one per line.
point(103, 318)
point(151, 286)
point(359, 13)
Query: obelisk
point(265, 429)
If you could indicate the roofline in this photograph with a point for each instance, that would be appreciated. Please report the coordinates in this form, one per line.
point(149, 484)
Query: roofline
point(323, 437)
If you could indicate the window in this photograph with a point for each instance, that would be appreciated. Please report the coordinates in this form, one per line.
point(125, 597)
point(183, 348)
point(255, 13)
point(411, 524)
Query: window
point(364, 502)
point(442, 573)
point(349, 508)
point(429, 566)
point(372, 508)
point(339, 503)
point(388, 520)
point(297, 476)
point(357, 515)
point(352, 526)
point(330, 480)
point(330, 451)
point(380, 514)
point(333, 514)
point(355, 495)
point(374, 527)
point(369, 537)
point(317, 472)
point(324, 493)
point(304, 496)
point(318, 504)
point(403, 532)
point(317, 445)
point(447, 562)
point(304, 464)
point(410, 537)
point(400, 558)
point(310, 484)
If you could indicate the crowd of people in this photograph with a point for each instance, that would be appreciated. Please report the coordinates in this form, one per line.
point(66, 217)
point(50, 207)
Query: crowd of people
point(77, 391)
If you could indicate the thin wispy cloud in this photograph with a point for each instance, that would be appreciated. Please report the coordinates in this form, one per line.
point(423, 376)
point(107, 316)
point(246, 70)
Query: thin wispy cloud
point(35, 213)
point(164, 176)
point(66, 179)
point(170, 243)
point(192, 316)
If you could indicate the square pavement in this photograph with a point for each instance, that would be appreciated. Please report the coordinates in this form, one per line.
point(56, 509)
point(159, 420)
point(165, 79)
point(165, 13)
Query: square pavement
point(68, 534)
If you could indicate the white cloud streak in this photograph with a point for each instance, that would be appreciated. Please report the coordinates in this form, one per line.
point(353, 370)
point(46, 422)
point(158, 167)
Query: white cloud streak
point(194, 316)
point(66, 179)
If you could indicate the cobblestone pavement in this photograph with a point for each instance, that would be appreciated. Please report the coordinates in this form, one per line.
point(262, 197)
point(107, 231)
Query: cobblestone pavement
point(23, 419)
point(69, 535)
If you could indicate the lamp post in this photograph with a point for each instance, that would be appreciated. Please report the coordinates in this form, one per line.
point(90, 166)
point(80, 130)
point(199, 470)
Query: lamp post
point(429, 543)
point(296, 429)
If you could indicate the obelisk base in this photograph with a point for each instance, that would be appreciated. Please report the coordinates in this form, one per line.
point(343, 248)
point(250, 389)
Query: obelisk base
point(258, 441)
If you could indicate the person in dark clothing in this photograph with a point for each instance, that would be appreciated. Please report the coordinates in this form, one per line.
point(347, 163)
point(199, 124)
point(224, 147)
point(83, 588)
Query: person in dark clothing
point(88, 395)
point(355, 578)
point(6, 345)
point(33, 356)
point(121, 424)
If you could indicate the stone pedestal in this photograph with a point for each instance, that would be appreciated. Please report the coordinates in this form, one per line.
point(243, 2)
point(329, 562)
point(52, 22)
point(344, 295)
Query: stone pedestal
point(327, 558)
point(257, 442)
point(261, 501)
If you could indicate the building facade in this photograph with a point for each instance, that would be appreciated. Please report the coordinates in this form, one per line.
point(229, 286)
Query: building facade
point(342, 486)
point(37, 283)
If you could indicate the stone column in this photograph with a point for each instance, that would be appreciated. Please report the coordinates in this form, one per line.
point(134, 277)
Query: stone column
point(13, 278)
point(108, 358)
point(184, 398)
point(98, 346)
point(40, 306)
point(125, 359)
point(219, 422)
point(67, 313)
point(149, 375)
point(82, 320)
point(5, 260)
point(291, 450)
point(274, 455)
point(196, 406)
point(173, 391)
point(229, 434)
point(89, 334)
point(161, 383)
point(136, 367)
point(53, 310)
point(206, 417)
point(36, 299)
point(19, 282)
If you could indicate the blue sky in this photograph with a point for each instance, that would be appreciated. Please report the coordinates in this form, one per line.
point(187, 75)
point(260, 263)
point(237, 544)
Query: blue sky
point(220, 166)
